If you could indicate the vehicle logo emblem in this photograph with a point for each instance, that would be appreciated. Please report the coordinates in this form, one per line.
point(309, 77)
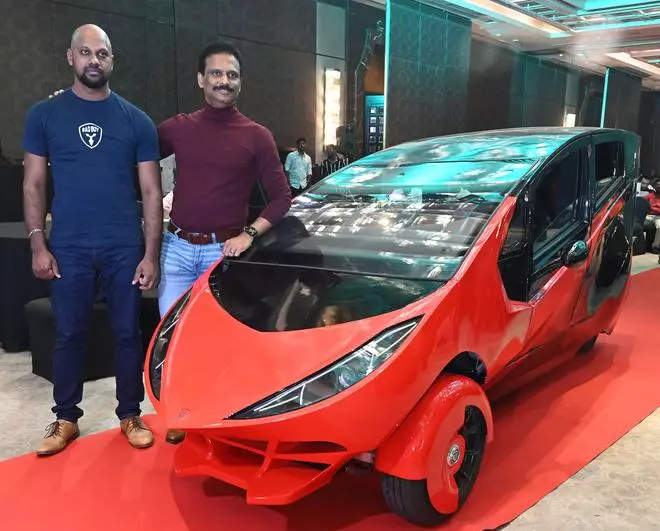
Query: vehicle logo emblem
point(454, 455)
point(91, 135)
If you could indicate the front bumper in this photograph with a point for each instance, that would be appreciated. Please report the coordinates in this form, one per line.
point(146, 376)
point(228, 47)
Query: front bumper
point(270, 472)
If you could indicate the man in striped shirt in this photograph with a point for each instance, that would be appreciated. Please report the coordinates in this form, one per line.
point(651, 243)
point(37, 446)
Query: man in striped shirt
point(333, 162)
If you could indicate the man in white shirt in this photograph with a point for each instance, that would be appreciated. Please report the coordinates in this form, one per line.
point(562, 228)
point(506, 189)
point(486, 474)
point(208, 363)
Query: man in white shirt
point(298, 168)
point(168, 173)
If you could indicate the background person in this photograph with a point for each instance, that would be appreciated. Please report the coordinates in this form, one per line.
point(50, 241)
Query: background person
point(298, 168)
point(333, 162)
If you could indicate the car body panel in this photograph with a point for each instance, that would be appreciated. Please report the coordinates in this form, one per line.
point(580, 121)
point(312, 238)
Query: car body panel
point(271, 363)
point(219, 364)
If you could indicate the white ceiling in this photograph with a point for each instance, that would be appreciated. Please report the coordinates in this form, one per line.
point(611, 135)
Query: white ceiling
point(588, 34)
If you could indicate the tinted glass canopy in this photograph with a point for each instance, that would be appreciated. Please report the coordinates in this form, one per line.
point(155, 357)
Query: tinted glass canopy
point(412, 211)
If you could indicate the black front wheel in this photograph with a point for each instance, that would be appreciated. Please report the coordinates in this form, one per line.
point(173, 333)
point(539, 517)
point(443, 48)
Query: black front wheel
point(588, 346)
point(410, 498)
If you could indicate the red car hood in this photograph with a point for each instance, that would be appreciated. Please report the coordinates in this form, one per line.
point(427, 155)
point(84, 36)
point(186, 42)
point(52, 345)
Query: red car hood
point(217, 366)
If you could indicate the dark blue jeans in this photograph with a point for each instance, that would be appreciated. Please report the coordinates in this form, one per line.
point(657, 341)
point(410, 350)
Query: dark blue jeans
point(73, 297)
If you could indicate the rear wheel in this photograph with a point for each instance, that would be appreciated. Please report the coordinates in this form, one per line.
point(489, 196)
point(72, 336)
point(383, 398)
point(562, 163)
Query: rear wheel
point(410, 498)
point(588, 346)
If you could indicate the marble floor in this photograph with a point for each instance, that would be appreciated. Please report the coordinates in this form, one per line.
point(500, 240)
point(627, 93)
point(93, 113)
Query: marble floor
point(619, 490)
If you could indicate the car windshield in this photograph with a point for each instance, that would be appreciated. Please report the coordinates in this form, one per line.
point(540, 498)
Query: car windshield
point(390, 218)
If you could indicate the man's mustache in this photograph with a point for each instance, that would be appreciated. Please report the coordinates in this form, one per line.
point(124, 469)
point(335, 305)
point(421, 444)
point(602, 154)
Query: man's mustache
point(224, 87)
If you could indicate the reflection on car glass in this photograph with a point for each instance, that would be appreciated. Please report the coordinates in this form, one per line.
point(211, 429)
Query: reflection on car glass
point(495, 146)
point(413, 222)
point(401, 196)
point(451, 178)
point(294, 298)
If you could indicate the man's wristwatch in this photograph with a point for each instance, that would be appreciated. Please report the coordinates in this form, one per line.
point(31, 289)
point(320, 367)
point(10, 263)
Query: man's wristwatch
point(251, 231)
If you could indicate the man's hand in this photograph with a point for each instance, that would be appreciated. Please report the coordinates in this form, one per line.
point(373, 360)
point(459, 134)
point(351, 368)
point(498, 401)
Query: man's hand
point(44, 265)
point(237, 245)
point(147, 274)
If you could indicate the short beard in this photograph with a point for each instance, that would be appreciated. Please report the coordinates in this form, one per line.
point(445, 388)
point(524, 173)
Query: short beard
point(93, 84)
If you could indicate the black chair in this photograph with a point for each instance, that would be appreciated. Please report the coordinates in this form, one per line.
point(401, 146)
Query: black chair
point(99, 360)
point(641, 227)
point(11, 194)
point(649, 232)
point(18, 286)
point(639, 240)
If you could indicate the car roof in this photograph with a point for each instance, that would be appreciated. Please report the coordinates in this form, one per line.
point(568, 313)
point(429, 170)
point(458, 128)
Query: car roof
point(503, 145)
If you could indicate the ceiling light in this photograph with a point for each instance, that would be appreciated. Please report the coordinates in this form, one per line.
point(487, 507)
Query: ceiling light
point(511, 16)
point(631, 61)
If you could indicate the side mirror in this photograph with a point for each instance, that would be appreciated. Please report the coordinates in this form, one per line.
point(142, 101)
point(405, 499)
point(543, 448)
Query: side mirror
point(577, 253)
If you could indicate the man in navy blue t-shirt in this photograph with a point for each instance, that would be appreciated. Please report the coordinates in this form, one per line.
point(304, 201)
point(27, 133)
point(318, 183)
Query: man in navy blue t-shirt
point(93, 140)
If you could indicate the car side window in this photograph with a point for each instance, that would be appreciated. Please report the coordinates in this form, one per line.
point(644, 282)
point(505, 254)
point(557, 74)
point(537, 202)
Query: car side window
point(556, 200)
point(547, 217)
point(609, 165)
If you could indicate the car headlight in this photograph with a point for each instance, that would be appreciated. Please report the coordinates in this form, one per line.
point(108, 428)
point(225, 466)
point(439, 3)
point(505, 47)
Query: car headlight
point(162, 342)
point(334, 379)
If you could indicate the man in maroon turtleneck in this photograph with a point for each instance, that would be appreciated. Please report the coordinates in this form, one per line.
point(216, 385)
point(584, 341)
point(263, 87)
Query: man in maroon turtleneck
point(219, 154)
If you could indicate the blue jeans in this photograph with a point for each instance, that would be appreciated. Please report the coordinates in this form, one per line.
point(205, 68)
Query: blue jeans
point(72, 298)
point(181, 264)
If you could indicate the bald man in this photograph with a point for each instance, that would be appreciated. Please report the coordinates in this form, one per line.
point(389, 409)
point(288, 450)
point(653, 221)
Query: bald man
point(93, 139)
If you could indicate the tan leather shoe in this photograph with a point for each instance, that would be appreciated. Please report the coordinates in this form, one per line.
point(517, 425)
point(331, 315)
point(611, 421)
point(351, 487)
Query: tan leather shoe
point(137, 433)
point(175, 437)
point(58, 436)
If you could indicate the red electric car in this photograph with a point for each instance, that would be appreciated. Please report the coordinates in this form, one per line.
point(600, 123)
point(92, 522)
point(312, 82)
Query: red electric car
point(399, 296)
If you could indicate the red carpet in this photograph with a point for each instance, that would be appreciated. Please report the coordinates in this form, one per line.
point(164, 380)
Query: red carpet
point(544, 435)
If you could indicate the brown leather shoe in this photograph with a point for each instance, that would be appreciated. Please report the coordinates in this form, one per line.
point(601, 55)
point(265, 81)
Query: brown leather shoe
point(137, 433)
point(59, 434)
point(175, 437)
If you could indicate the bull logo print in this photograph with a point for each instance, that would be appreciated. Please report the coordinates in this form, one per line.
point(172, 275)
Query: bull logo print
point(91, 135)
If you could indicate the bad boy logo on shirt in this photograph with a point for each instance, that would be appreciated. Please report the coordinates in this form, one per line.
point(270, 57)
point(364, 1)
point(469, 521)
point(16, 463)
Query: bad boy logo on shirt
point(90, 134)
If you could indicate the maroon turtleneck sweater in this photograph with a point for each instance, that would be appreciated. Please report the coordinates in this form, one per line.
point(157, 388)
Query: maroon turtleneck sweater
point(220, 153)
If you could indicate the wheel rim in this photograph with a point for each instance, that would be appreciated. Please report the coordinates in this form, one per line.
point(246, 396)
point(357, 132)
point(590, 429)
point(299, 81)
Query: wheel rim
point(473, 438)
point(456, 454)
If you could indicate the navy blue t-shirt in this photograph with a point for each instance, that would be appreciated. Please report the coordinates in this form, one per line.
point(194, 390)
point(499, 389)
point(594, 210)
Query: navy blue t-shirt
point(93, 148)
